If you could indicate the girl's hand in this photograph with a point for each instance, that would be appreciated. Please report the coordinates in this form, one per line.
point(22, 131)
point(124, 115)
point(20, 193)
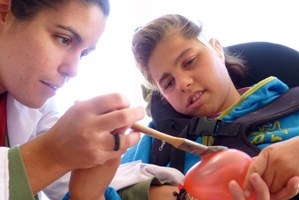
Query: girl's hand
point(262, 191)
point(91, 183)
point(277, 164)
point(260, 187)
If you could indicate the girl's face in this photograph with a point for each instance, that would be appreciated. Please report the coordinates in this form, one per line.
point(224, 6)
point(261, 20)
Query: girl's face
point(192, 76)
point(38, 56)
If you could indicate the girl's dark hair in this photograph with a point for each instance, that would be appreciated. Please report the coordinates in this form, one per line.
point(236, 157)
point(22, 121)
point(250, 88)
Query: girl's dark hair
point(147, 38)
point(27, 9)
point(236, 68)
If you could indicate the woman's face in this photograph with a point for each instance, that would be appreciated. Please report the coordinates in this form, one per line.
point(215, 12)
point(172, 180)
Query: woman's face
point(38, 56)
point(192, 76)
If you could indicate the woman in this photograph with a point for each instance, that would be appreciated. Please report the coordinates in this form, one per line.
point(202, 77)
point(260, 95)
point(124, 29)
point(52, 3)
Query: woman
point(197, 77)
point(41, 43)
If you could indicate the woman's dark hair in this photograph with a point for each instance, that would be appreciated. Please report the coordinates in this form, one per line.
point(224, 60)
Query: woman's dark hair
point(27, 9)
point(147, 38)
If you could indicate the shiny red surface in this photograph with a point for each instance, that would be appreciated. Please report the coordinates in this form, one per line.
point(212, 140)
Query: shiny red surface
point(209, 178)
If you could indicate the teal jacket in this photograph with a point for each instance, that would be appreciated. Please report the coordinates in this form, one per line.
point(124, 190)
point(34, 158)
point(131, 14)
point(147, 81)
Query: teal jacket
point(258, 95)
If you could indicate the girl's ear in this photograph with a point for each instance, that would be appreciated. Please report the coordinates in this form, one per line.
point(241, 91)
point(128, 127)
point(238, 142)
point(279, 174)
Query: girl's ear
point(4, 9)
point(215, 44)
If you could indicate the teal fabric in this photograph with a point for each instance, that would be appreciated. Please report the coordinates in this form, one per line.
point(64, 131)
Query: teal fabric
point(265, 94)
point(141, 151)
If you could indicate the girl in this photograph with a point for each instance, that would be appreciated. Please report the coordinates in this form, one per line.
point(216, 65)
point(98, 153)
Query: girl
point(197, 78)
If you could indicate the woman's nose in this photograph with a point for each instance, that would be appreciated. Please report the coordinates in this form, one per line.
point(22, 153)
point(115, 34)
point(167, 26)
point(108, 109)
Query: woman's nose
point(69, 67)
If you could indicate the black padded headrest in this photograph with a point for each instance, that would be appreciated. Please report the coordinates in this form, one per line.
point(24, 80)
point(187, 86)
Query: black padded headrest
point(266, 59)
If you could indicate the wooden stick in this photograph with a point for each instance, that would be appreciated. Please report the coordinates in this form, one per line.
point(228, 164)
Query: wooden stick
point(175, 141)
point(180, 143)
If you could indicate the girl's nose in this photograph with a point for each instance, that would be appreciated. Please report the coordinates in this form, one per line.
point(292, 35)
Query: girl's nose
point(183, 83)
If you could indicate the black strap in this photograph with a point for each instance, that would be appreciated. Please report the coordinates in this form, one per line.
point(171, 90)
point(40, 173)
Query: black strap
point(222, 132)
point(285, 104)
point(161, 151)
point(166, 120)
point(203, 126)
point(177, 156)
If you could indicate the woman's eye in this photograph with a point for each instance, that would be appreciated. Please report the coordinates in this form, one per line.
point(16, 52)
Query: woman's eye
point(64, 40)
point(84, 53)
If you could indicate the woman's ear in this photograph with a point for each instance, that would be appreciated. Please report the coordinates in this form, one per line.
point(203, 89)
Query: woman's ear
point(215, 44)
point(4, 9)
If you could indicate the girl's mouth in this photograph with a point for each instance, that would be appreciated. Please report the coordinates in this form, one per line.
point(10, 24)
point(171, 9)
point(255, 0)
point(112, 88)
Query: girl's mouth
point(195, 97)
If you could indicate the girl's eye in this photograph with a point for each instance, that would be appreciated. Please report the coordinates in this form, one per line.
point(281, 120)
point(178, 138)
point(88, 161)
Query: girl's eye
point(168, 84)
point(189, 62)
point(63, 40)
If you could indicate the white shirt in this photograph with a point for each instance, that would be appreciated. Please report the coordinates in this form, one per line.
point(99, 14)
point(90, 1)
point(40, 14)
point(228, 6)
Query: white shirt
point(23, 125)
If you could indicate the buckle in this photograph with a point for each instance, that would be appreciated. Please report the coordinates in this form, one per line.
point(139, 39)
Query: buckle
point(203, 126)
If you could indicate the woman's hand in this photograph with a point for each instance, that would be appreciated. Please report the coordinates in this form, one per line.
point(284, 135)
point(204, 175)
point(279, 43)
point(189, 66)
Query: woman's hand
point(82, 138)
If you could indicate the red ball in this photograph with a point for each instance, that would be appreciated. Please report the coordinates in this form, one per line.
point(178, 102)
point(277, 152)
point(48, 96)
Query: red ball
point(209, 178)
